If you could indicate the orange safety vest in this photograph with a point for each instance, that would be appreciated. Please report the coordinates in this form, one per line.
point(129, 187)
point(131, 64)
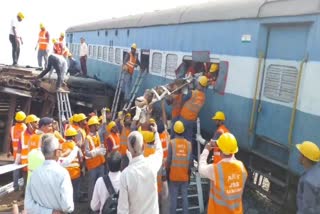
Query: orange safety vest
point(115, 138)
point(57, 49)
point(164, 138)
point(149, 149)
point(192, 107)
point(74, 167)
point(43, 40)
point(160, 174)
point(216, 151)
point(16, 132)
point(94, 142)
point(176, 105)
point(25, 138)
point(123, 140)
point(181, 152)
point(35, 141)
point(227, 188)
point(131, 63)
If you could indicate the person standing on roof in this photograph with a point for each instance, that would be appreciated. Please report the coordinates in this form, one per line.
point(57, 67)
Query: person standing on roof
point(227, 177)
point(49, 189)
point(191, 108)
point(83, 56)
point(308, 196)
point(15, 37)
point(138, 182)
point(179, 167)
point(16, 132)
point(130, 62)
point(42, 46)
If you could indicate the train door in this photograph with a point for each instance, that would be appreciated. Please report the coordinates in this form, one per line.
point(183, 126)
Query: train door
point(285, 50)
point(145, 59)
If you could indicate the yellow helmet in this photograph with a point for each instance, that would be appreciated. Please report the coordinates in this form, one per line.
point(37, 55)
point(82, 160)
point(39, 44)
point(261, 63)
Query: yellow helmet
point(148, 136)
point(108, 110)
point(178, 127)
point(111, 125)
point(79, 117)
point(128, 115)
point(228, 144)
point(21, 15)
point(54, 41)
point(151, 120)
point(93, 121)
point(213, 68)
point(32, 118)
point(134, 46)
point(62, 34)
point(309, 150)
point(20, 116)
point(219, 115)
point(41, 25)
point(203, 81)
point(71, 132)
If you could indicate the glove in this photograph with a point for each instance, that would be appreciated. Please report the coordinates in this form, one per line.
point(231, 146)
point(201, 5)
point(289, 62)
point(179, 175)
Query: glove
point(200, 139)
point(102, 151)
point(18, 159)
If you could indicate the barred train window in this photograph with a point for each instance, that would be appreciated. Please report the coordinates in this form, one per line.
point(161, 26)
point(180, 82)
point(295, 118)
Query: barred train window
point(90, 51)
point(95, 49)
point(104, 54)
point(118, 56)
point(171, 64)
point(99, 52)
point(280, 83)
point(156, 62)
point(110, 54)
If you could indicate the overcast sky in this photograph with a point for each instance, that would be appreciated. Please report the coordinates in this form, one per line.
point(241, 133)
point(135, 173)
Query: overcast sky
point(58, 15)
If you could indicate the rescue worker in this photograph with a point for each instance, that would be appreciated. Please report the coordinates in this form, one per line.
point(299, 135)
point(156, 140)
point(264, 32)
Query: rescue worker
point(213, 74)
point(74, 67)
point(191, 108)
point(103, 133)
point(70, 148)
point(228, 177)
point(15, 134)
point(308, 196)
point(179, 167)
point(15, 37)
point(83, 56)
point(57, 49)
point(125, 124)
point(42, 46)
point(45, 127)
point(131, 61)
point(112, 142)
point(94, 153)
point(61, 41)
point(23, 150)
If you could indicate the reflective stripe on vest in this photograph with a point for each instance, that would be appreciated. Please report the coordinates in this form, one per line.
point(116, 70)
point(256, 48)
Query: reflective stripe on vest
point(181, 152)
point(131, 63)
point(192, 107)
point(16, 132)
point(176, 105)
point(116, 145)
point(43, 40)
point(164, 138)
point(226, 191)
point(94, 162)
point(123, 140)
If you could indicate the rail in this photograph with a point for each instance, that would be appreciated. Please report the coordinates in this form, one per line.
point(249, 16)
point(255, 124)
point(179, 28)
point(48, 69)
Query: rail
point(294, 108)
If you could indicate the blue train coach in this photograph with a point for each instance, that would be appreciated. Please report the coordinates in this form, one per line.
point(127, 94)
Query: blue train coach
point(267, 83)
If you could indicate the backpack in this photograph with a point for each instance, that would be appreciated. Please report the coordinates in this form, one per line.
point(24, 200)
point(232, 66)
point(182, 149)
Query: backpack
point(111, 204)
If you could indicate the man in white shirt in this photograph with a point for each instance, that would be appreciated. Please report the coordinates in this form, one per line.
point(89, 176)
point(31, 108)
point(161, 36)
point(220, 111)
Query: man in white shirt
point(83, 56)
point(15, 37)
point(49, 189)
point(138, 182)
point(100, 192)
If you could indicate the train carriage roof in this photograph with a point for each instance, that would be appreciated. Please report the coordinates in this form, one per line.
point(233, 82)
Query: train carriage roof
point(215, 10)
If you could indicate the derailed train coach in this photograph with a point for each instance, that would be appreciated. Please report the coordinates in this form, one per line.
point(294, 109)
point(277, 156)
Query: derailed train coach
point(267, 81)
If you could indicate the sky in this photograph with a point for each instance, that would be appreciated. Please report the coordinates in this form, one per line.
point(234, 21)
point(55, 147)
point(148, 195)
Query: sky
point(58, 15)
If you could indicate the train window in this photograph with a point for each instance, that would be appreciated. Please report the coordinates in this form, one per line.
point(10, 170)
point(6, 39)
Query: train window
point(156, 62)
point(105, 54)
point(95, 51)
point(171, 64)
point(280, 83)
point(118, 55)
point(98, 33)
point(90, 51)
point(111, 55)
point(99, 52)
point(106, 32)
point(128, 32)
point(116, 32)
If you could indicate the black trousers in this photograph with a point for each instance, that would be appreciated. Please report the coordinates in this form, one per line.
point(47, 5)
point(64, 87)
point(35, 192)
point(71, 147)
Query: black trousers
point(53, 62)
point(15, 49)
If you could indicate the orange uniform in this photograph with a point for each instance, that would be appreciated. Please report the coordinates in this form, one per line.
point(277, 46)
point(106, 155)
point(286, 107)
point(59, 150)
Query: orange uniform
point(131, 63)
point(43, 40)
point(226, 191)
point(15, 133)
point(192, 107)
point(74, 167)
point(25, 139)
point(94, 142)
point(123, 140)
point(176, 105)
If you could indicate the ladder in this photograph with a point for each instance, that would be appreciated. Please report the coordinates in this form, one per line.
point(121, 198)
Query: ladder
point(64, 108)
point(117, 95)
point(135, 89)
